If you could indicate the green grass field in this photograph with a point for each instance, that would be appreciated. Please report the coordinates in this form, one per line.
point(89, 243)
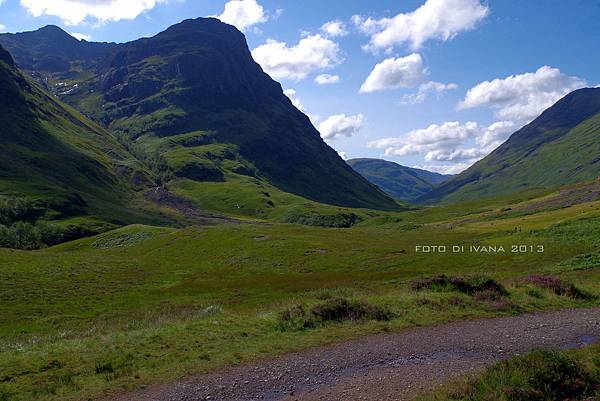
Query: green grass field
point(143, 304)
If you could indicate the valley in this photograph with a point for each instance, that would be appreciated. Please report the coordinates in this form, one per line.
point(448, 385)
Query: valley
point(167, 212)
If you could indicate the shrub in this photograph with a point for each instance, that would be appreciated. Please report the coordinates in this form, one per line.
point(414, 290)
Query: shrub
point(339, 220)
point(539, 376)
point(556, 285)
point(469, 285)
point(335, 309)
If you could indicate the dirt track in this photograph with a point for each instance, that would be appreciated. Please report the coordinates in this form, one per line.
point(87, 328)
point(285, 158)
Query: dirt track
point(391, 366)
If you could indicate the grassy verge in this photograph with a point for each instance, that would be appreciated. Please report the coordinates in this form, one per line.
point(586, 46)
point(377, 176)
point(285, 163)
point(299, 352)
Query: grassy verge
point(539, 376)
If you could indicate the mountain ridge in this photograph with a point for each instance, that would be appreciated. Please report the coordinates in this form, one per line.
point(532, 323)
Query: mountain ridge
point(555, 149)
point(401, 182)
point(198, 78)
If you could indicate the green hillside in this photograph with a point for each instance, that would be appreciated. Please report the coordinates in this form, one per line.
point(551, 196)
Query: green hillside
point(197, 80)
point(559, 147)
point(59, 163)
point(400, 182)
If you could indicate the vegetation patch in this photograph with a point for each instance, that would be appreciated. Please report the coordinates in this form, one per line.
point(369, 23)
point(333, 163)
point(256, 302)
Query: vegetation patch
point(339, 220)
point(556, 285)
point(479, 285)
point(332, 310)
point(584, 261)
point(539, 376)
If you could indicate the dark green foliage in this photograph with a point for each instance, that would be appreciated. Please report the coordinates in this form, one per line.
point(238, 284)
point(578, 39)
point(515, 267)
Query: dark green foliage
point(339, 220)
point(556, 285)
point(332, 310)
point(539, 376)
point(482, 285)
point(400, 182)
point(560, 147)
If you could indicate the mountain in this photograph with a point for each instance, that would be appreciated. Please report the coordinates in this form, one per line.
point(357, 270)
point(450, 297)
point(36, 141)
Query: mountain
point(192, 101)
point(52, 155)
point(400, 182)
point(560, 147)
point(52, 50)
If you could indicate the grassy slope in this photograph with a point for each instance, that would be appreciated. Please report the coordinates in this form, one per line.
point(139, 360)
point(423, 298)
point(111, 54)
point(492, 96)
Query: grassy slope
point(559, 147)
point(54, 155)
point(401, 182)
point(154, 304)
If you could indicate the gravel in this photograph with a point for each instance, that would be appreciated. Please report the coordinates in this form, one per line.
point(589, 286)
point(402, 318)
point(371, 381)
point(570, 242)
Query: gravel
point(390, 366)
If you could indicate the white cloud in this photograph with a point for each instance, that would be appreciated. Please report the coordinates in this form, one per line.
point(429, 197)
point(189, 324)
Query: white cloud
point(445, 137)
point(436, 19)
point(448, 142)
point(293, 96)
point(2, 28)
point(340, 125)
point(75, 12)
point(425, 89)
point(81, 36)
point(446, 169)
point(343, 155)
point(243, 13)
point(327, 79)
point(522, 97)
point(496, 134)
point(333, 29)
point(312, 53)
point(394, 73)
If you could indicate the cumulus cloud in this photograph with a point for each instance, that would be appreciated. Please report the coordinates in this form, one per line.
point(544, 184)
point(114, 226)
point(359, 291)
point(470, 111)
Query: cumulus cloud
point(343, 155)
point(448, 142)
point(425, 89)
point(436, 19)
point(81, 36)
point(312, 53)
point(522, 97)
point(2, 28)
point(394, 73)
point(243, 13)
point(446, 168)
point(494, 135)
point(75, 12)
point(445, 137)
point(327, 79)
point(340, 125)
point(333, 29)
point(293, 96)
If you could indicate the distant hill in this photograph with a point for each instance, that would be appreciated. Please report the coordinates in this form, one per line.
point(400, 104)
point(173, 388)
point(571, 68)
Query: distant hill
point(404, 183)
point(192, 102)
point(561, 146)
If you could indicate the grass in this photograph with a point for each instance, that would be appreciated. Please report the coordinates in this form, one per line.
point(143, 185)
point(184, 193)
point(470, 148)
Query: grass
point(143, 304)
point(539, 376)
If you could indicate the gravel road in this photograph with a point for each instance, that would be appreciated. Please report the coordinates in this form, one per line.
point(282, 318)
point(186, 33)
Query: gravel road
point(390, 366)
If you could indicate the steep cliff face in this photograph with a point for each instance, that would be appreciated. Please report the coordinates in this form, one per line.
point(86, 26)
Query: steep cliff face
point(198, 79)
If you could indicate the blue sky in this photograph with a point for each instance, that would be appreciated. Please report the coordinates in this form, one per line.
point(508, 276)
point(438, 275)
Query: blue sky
point(429, 83)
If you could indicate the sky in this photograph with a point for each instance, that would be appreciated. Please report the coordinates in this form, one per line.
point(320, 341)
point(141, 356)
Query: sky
point(434, 84)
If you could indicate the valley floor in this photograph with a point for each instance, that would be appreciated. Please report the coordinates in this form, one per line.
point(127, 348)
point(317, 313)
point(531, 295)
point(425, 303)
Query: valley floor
point(143, 305)
point(393, 366)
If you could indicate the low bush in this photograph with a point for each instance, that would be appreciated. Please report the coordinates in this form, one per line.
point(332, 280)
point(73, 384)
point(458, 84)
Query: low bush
point(335, 309)
point(556, 285)
point(466, 285)
point(339, 220)
point(539, 376)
